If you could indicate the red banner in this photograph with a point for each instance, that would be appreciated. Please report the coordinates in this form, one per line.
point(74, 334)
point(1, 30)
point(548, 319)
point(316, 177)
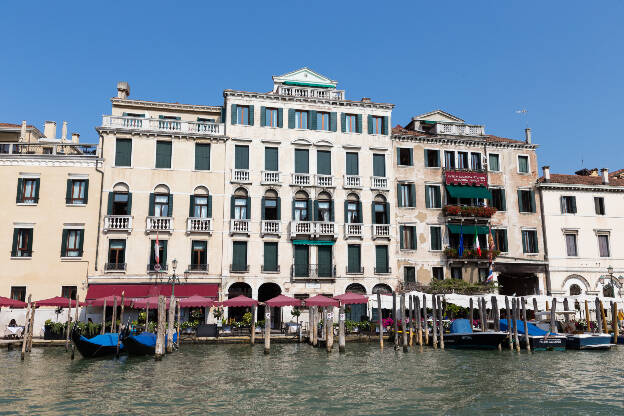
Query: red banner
point(460, 177)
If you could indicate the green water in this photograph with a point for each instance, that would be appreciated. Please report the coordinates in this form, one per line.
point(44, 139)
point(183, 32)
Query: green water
point(297, 379)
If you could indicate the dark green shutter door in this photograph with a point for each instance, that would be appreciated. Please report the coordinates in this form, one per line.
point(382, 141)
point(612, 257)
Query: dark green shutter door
point(520, 205)
point(524, 246)
point(293, 209)
point(14, 245)
point(323, 162)
point(192, 206)
point(29, 233)
point(533, 201)
point(438, 197)
point(271, 159)
point(343, 122)
point(312, 120)
point(248, 208)
point(387, 209)
point(222, 114)
point(163, 155)
point(64, 243)
point(379, 165)
point(202, 156)
point(279, 208)
point(401, 242)
point(291, 118)
point(241, 157)
point(333, 121)
point(233, 114)
point(504, 248)
point(68, 191)
point(280, 117)
point(354, 260)
point(358, 126)
point(270, 257)
point(262, 116)
point(412, 195)
point(503, 200)
point(384, 126)
point(373, 218)
point(109, 210)
point(427, 198)
point(411, 157)
point(309, 209)
point(123, 152)
point(204, 253)
point(381, 258)
point(301, 260)
point(232, 204)
point(331, 210)
point(209, 206)
point(398, 155)
point(239, 255)
point(86, 191)
point(370, 124)
point(164, 256)
point(346, 211)
point(20, 184)
point(81, 242)
point(170, 206)
point(251, 115)
point(400, 202)
point(262, 208)
point(301, 161)
point(324, 261)
point(316, 216)
point(352, 163)
point(129, 203)
point(151, 205)
point(37, 186)
point(359, 212)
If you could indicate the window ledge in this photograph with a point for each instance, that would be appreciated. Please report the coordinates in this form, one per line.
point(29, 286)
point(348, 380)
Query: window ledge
point(21, 258)
point(75, 205)
point(433, 167)
point(408, 250)
point(435, 251)
point(28, 204)
point(354, 274)
point(71, 258)
point(113, 271)
point(270, 272)
point(405, 166)
point(127, 167)
point(531, 254)
point(438, 208)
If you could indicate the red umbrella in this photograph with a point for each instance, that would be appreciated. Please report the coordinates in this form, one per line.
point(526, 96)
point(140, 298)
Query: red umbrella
point(351, 298)
point(320, 300)
point(12, 303)
point(196, 301)
point(151, 302)
point(58, 302)
point(239, 301)
point(283, 300)
point(110, 301)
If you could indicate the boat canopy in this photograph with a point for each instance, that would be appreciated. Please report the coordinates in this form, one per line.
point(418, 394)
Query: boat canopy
point(461, 326)
point(533, 330)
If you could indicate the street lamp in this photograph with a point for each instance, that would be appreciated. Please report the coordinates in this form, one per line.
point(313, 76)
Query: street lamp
point(173, 279)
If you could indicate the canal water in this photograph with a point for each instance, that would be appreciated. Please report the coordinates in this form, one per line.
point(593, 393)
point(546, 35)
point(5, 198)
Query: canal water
point(299, 380)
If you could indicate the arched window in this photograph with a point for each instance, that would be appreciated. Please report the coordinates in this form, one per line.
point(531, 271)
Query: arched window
point(161, 202)
point(353, 209)
point(271, 206)
point(120, 200)
point(324, 208)
point(382, 288)
point(201, 203)
point(301, 207)
point(240, 205)
point(381, 210)
point(575, 290)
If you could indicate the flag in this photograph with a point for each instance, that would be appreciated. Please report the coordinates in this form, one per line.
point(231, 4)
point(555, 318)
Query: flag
point(477, 246)
point(460, 252)
point(490, 245)
point(490, 277)
point(157, 250)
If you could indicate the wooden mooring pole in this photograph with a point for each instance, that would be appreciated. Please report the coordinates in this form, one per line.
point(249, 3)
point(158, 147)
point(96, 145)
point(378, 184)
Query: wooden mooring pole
point(160, 331)
point(170, 324)
point(252, 336)
point(114, 323)
point(103, 329)
point(380, 320)
point(411, 320)
point(496, 313)
point(481, 315)
point(267, 330)
point(553, 323)
point(615, 320)
point(509, 319)
point(587, 317)
point(440, 324)
point(395, 319)
point(603, 316)
point(566, 308)
point(147, 317)
point(26, 327)
point(329, 329)
point(418, 320)
point(471, 318)
point(32, 327)
point(526, 325)
point(121, 317)
point(516, 329)
point(434, 317)
point(68, 324)
point(341, 329)
point(424, 314)
point(77, 316)
point(178, 325)
point(404, 323)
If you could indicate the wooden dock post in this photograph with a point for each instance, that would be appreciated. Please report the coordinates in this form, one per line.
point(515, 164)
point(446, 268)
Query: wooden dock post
point(481, 315)
point(315, 323)
point(380, 320)
point(329, 329)
point(471, 318)
point(147, 317)
point(526, 325)
point(121, 316)
point(341, 329)
point(587, 317)
point(103, 329)
point(517, 318)
point(170, 319)
point(178, 326)
point(395, 320)
point(424, 314)
point(252, 336)
point(553, 324)
point(77, 316)
point(267, 330)
point(434, 318)
point(604, 318)
point(535, 310)
point(26, 328)
point(114, 323)
point(411, 320)
point(160, 331)
point(496, 313)
point(32, 327)
point(404, 323)
point(68, 324)
point(513, 323)
point(419, 338)
point(565, 308)
point(440, 324)
point(615, 321)
point(508, 316)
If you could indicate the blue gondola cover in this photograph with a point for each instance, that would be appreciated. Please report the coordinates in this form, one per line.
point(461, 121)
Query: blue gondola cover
point(461, 326)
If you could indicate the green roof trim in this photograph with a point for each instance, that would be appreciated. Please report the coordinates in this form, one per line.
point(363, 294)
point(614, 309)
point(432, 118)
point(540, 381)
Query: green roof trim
point(313, 242)
point(308, 84)
point(468, 229)
point(463, 191)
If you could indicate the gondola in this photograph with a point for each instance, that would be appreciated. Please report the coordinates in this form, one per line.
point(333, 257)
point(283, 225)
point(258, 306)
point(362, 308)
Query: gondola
point(462, 336)
point(539, 339)
point(98, 346)
point(589, 341)
point(143, 343)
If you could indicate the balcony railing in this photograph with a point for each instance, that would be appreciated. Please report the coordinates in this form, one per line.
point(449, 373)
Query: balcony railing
point(197, 268)
point(115, 267)
point(313, 229)
point(383, 270)
point(198, 225)
point(157, 124)
point(239, 226)
point(301, 228)
point(159, 224)
point(271, 227)
point(325, 229)
point(353, 230)
point(379, 182)
point(468, 211)
point(117, 223)
point(381, 230)
point(156, 268)
point(357, 270)
point(458, 129)
point(352, 181)
point(240, 176)
point(238, 269)
point(301, 179)
point(325, 181)
point(323, 93)
point(60, 149)
point(452, 253)
point(270, 177)
point(313, 271)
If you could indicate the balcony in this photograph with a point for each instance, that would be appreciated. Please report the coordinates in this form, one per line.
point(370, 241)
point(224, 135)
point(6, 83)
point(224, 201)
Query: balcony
point(325, 181)
point(468, 211)
point(271, 227)
point(199, 225)
point(323, 93)
point(54, 149)
point(163, 224)
point(313, 271)
point(240, 176)
point(301, 179)
point(359, 270)
point(381, 231)
point(301, 228)
point(326, 229)
point(383, 270)
point(458, 129)
point(239, 226)
point(452, 254)
point(353, 230)
point(197, 268)
point(352, 182)
point(118, 223)
point(270, 177)
point(162, 125)
point(114, 267)
point(379, 183)
point(156, 268)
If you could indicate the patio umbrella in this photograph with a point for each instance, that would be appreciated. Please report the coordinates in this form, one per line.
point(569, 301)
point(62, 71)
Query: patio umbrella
point(58, 302)
point(240, 301)
point(110, 301)
point(196, 301)
point(151, 302)
point(351, 298)
point(320, 300)
point(283, 300)
point(12, 303)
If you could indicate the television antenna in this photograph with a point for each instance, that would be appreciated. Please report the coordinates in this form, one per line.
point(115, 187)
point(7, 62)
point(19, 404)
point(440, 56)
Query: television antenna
point(524, 113)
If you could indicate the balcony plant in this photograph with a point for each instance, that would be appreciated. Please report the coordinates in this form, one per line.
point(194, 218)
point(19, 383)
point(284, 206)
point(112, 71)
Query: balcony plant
point(468, 211)
point(468, 254)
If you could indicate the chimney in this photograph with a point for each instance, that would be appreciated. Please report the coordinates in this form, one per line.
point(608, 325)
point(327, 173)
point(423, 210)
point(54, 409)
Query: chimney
point(527, 135)
point(546, 170)
point(49, 129)
point(123, 90)
point(605, 176)
point(64, 132)
point(75, 138)
point(23, 131)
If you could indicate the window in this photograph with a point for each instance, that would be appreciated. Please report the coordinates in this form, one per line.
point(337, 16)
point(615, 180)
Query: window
point(433, 197)
point(163, 154)
point(77, 191)
point(526, 200)
point(18, 293)
point(69, 292)
point(202, 156)
point(494, 162)
point(200, 206)
point(353, 215)
point(603, 245)
point(498, 199)
point(568, 205)
point(123, 152)
point(462, 160)
point(437, 273)
point(449, 159)
point(27, 191)
point(161, 205)
point(270, 257)
point(483, 274)
point(240, 208)
point(407, 237)
point(301, 119)
point(406, 195)
point(475, 161)
point(161, 258)
point(271, 162)
point(242, 115)
point(301, 261)
point(405, 156)
point(500, 239)
point(381, 259)
point(323, 162)
point(72, 243)
point(270, 115)
point(116, 255)
point(571, 247)
point(523, 164)
point(354, 260)
point(575, 290)
point(302, 161)
point(324, 257)
point(599, 205)
point(379, 165)
point(380, 213)
point(271, 210)
point(241, 157)
point(22, 242)
point(352, 163)
point(409, 274)
point(436, 237)
point(350, 123)
point(300, 210)
point(322, 121)
point(432, 158)
point(324, 211)
point(199, 256)
point(119, 203)
point(529, 241)
point(376, 125)
point(456, 273)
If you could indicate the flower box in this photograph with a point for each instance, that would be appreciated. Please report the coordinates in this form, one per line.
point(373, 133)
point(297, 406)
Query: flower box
point(468, 211)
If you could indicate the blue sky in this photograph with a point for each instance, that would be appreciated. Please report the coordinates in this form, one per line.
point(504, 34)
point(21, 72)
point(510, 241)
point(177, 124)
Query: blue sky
point(479, 60)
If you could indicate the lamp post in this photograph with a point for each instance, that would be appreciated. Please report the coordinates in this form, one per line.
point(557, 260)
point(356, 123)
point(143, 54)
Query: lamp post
point(612, 280)
point(173, 279)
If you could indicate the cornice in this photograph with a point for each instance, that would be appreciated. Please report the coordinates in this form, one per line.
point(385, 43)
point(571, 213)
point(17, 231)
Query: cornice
point(75, 161)
point(162, 105)
point(158, 133)
point(553, 186)
point(468, 141)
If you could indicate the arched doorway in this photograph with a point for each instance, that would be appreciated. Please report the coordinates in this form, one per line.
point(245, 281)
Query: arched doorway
point(357, 313)
point(237, 289)
point(575, 289)
point(268, 291)
point(519, 284)
point(382, 289)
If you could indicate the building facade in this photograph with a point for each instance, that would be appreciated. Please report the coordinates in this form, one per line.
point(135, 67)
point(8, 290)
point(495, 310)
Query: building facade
point(583, 231)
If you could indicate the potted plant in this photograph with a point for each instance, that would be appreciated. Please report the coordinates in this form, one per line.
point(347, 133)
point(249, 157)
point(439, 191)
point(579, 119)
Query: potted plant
point(54, 330)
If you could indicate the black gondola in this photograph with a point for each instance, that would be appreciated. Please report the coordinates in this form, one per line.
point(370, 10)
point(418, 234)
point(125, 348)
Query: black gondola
point(98, 346)
point(143, 343)
point(461, 336)
point(539, 339)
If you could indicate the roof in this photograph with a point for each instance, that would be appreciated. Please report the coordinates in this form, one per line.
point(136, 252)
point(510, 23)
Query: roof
point(488, 137)
point(438, 112)
point(580, 180)
point(19, 126)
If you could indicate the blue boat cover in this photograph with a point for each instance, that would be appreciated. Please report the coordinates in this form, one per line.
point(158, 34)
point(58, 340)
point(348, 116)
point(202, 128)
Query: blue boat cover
point(149, 339)
point(533, 330)
point(461, 326)
point(104, 340)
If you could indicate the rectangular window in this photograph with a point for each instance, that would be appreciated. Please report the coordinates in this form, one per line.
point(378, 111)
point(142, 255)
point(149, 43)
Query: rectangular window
point(529, 241)
point(301, 261)
point(404, 156)
point(199, 256)
point(352, 163)
point(161, 205)
point(437, 273)
point(462, 160)
point(436, 237)
point(523, 164)
point(599, 205)
point(449, 159)
point(300, 210)
point(301, 119)
point(270, 257)
point(120, 203)
point(350, 123)
point(163, 154)
point(240, 208)
point(270, 117)
point(475, 161)
point(22, 242)
point(18, 293)
point(377, 125)
point(322, 121)
point(28, 190)
point(498, 199)
point(242, 115)
point(500, 240)
point(116, 255)
point(73, 243)
point(432, 158)
point(69, 292)
point(568, 205)
point(408, 237)
point(354, 261)
point(270, 209)
point(202, 156)
point(302, 161)
point(571, 247)
point(77, 191)
point(353, 213)
point(323, 162)
point(409, 274)
point(271, 161)
point(483, 274)
point(379, 165)
point(380, 213)
point(526, 200)
point(381, 259)
point(433, 197)
point(239, 256)
point(456, 273)
point(603, 245)
point(407, 195)
point(161, 259)
point(241, 157)
point(494, 163)
point(200, 209)
point(324, 257)
point(123, 152)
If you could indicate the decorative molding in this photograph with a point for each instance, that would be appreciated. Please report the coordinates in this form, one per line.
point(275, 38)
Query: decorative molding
point(135, 133)
point(301, 142)
point(463, 140)
point(351, 146)
point(241, 139)
point(73, 226)
point(23, 225)
point(551, 186)
point(378, 148)
point(272, 141)
point(323, 143)
point(56, 162)
point(78, 176)
point(285, 98)
point(165, 106)
point(29, 175)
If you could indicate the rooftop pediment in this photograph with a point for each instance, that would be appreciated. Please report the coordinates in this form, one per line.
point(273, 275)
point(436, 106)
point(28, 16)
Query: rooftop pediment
point(305, 77)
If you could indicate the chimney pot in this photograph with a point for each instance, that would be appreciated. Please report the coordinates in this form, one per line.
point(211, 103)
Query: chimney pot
point(75, 138)
point(49, 129)
point(64, 131)
point(527, 135)
point(546, 170)
point(23, 131)
point(605, 176)
point(123, 90)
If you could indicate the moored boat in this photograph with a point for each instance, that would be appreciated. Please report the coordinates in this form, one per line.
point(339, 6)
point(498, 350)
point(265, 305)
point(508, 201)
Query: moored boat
point(539, 339)
point(589, 341)
point(462, 336)
point(143, 343)
point(98, 346)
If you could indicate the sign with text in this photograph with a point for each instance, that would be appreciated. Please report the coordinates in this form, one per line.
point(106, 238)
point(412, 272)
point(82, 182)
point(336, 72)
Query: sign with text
point(459, 177)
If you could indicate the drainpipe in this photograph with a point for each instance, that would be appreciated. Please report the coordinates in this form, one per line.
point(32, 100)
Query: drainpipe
point(541, 200)
point(101, 172)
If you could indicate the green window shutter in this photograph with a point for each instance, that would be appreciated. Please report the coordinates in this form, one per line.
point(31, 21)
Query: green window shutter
point(192, 206)
point(164, 256)
point(438, 197)
point(204, 254)
point(503, 200)
point(241, 157)
point(239, 255)
point(412, 195)
point(323, 162)
point(331, 210)
point(358, 125)
point(309, 208)
point(223, 114)
point(370, 124)
point(14, 245)
point(352, 163)
point(202, 156)
point(20, 185)
point(400, 202)
point(64, 243)
point(280, 117)
point(151, 205)
point(316, 216)
point(427, 198)
point(373, 219)
point(573, 205)
point(170, 206)
point(279, 208)
point(524, 242)
point(401, 242)
point(301, 161)
point(233, 114)
point(381, 258)
point(209, 206)
point(251, 115)
point(109, 210)
point(81, 242)
point(520, 204)
point(398, 156)
point(86, 191)
point(359, 212)
point(262, 208)
point(312, 120)
point(533, 201)
point(504, 248)
point(123, 152)
point(411, 157)
point(387, 206)
point(129, 203)
point(232, 205)
point(333, 121)
point(248, 208)
point(163, 154)
point(37, 186)
point(270, 257)
point(29, 233)
point(293, 209)
point(343, 122)
point(353, 258)
point(324, 261)
point(302, 260)
point(346, 211)
point(379, 165)
point(384, 125)
point(291, 118)
point(262, 116)
point(68, 191)
point(271, 159)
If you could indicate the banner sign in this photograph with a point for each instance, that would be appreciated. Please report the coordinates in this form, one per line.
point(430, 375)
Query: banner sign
point(458, 177)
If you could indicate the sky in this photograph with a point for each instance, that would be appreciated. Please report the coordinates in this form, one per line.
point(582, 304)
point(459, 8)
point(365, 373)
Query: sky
point(479, 60)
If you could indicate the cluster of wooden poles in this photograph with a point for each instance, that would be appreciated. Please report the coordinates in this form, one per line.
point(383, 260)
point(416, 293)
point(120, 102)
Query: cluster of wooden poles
point(166, 325)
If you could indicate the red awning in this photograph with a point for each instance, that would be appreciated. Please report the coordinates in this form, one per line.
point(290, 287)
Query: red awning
point(110, 301)
point(195, 302)
point(351, 298)
point(151, 302)
point(184, 290)
point(283, 300)
point(57, 302)
point(240, 301)
point(320, 300)
point(11, 303)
